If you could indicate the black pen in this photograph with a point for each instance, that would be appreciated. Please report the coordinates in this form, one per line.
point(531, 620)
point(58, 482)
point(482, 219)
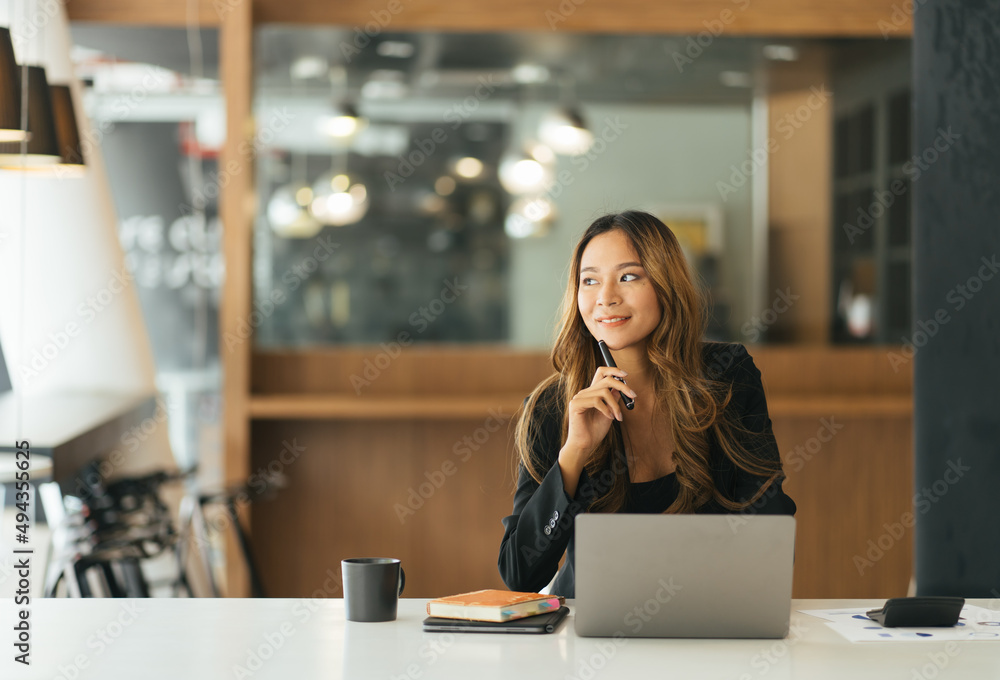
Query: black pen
point(610, 362)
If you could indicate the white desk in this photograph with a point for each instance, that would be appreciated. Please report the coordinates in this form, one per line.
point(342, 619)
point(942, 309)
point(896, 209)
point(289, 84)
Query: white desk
point(301, 639)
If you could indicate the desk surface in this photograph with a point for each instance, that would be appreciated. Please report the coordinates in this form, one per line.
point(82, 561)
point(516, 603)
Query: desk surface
point(292, 639)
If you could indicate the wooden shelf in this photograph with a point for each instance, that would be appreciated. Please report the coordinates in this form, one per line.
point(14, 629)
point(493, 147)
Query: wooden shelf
point(889, 405)
point(347, 407)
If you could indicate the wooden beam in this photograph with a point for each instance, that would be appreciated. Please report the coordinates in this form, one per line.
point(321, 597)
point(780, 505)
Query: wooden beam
point(847, 18)
point(235, 178)
point(732, 17)
point(149, 12)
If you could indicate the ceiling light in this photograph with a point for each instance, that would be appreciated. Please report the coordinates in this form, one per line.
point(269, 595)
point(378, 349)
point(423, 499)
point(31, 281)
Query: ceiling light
point(542, 153)
point(780, 53)
point(395, 49)
point(445, 185)
point(305, 68)
point(10, 92)
point(338, 126)
point(287, 215)
point(566, 132)
point(529, 217)
point(430, 203)
point(304, 196)
point(42, 146)
point(340, 183)
point(468, 167)
point(385, 84)
point(523, 174)
point(381, 89)
point(344, 121)
point(67, 130)
point(338, 200)
point(735, 79)
point(528, 74)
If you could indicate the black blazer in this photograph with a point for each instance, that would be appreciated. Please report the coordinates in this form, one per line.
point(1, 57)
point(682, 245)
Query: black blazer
point(540, 529)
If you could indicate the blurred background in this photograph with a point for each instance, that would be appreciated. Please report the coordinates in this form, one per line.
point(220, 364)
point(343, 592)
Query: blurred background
point(520, 164)
point(480, 158)
point(337, 369)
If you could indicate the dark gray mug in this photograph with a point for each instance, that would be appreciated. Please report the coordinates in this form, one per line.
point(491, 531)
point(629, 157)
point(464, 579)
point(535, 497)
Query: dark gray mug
point(372, 586)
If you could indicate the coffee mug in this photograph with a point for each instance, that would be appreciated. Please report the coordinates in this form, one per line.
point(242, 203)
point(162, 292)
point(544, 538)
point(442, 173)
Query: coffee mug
point(372, 586)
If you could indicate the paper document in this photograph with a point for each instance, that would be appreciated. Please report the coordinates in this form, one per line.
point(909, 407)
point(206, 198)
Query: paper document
point(976, 623)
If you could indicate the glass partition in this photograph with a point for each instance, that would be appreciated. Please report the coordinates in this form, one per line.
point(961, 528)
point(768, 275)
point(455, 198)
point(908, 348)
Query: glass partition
point(430, 187)
point(157, 116)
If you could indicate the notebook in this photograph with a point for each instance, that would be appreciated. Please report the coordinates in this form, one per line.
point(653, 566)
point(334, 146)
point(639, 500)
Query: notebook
point(538, 625)
point(683, 576)
point(493, 605)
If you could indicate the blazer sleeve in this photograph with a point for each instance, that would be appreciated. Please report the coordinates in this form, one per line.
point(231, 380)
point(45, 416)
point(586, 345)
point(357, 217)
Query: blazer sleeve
point(538, 531)
point(749, 398)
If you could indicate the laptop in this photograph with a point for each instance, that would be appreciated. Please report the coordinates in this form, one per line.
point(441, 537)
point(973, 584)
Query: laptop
point(683, 576)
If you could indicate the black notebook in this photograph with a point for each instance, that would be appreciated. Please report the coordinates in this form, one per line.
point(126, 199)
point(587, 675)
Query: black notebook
point(539, 624)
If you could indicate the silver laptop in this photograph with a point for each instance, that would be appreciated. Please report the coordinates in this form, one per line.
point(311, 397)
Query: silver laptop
point(683, 576)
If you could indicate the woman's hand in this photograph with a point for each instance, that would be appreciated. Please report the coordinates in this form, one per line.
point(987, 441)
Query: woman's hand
point(591, 411)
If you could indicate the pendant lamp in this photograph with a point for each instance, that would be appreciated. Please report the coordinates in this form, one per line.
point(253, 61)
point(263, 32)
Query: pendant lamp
point(43, 148)
point(67, 131)
point(10, 91)
point(566, 131)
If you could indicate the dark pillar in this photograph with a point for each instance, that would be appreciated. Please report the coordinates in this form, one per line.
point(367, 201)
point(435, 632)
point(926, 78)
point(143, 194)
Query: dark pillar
point(956, 50)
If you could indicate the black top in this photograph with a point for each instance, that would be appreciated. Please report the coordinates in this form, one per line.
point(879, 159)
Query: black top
point(654, 496)
point(540, 529)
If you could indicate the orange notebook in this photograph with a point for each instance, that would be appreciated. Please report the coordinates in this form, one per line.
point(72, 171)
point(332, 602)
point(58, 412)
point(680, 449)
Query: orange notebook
point(493, 605)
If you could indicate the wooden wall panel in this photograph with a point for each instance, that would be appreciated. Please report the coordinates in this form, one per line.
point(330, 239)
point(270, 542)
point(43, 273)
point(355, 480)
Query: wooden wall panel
point(346, 491)
point(342, 491)
point(847, 490)
point(342, 496)
point(825, 371)
point(736, 17)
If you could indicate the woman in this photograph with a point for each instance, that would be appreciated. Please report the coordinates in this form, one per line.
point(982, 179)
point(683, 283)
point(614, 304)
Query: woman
point(698, 439)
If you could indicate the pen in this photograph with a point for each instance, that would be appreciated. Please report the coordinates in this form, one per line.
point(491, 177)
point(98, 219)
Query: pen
point(610, 362)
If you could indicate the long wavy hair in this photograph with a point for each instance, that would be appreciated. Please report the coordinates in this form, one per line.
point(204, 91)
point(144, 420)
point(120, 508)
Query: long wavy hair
point(693, 404)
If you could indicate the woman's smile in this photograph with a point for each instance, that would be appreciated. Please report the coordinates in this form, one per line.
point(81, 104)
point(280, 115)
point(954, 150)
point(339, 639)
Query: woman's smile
point(613, 321)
